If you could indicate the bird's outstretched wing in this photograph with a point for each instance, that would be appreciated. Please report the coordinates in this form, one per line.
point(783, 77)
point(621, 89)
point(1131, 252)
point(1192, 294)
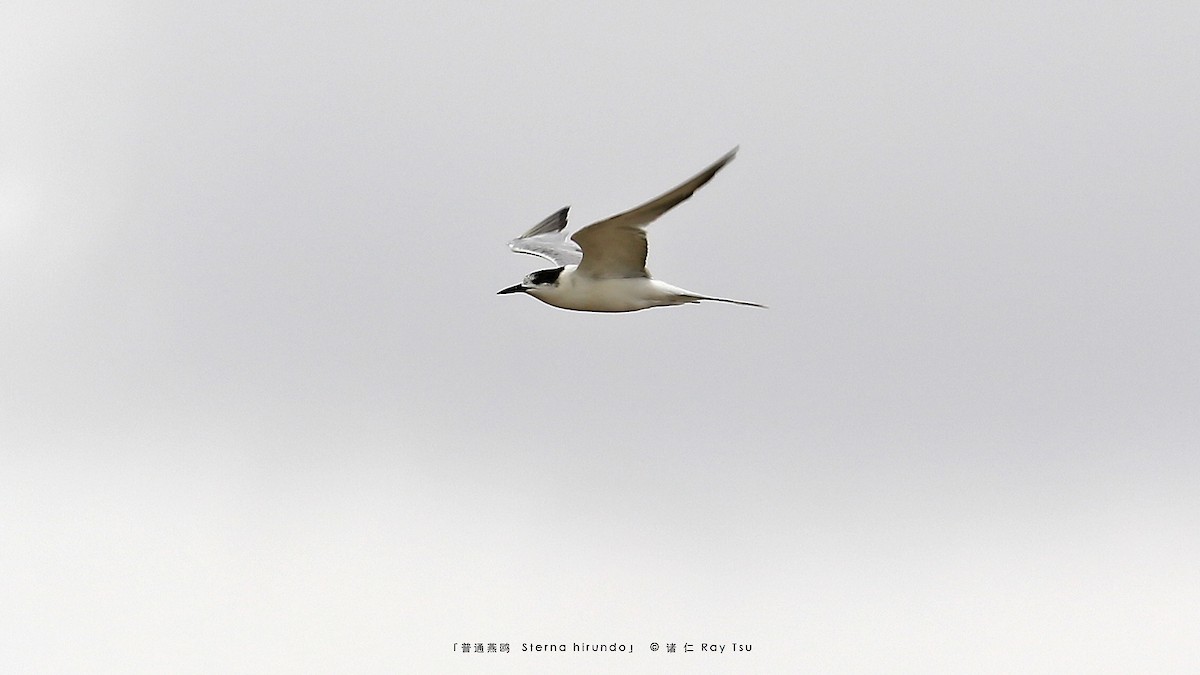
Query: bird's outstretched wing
point(616, 247)
point(548, 240)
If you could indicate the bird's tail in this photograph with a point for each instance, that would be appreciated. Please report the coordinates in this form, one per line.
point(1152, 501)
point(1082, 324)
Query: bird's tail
point(698, 298)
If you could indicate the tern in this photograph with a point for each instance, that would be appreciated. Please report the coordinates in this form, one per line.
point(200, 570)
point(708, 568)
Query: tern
point(602, 268)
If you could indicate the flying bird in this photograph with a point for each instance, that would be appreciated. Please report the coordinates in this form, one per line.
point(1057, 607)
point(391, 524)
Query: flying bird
point(602, 268)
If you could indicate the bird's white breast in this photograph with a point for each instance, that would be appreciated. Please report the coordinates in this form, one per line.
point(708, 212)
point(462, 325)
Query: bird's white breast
point(579, 292)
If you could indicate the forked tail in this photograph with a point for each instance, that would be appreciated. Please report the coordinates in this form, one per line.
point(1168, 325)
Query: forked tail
point(697, 298)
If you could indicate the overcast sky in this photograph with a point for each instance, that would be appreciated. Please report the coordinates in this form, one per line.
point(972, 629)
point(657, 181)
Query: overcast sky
point(261, 410)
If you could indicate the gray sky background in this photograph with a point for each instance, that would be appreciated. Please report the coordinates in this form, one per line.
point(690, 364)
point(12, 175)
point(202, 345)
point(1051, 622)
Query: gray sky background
point(261, 411)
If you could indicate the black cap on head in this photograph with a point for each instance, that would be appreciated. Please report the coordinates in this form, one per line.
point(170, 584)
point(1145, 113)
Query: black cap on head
point(545, 277)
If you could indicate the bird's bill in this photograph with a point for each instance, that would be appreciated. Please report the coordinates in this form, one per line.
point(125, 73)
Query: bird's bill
point(519, 288)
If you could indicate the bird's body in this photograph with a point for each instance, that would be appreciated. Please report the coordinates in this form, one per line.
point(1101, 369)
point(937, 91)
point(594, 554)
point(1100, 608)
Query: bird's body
point(603, 267)
point(628, 294)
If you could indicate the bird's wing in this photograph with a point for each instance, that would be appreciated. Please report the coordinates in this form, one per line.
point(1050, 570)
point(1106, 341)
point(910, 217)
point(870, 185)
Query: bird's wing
point(616, 247)
point(548, 240)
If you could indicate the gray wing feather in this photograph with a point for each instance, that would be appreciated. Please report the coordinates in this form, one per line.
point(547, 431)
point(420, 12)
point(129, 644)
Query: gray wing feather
point(548, 240)
point(616, 247)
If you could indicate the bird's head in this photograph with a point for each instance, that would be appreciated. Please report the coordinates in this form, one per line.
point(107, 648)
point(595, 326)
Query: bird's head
point(534, 281)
